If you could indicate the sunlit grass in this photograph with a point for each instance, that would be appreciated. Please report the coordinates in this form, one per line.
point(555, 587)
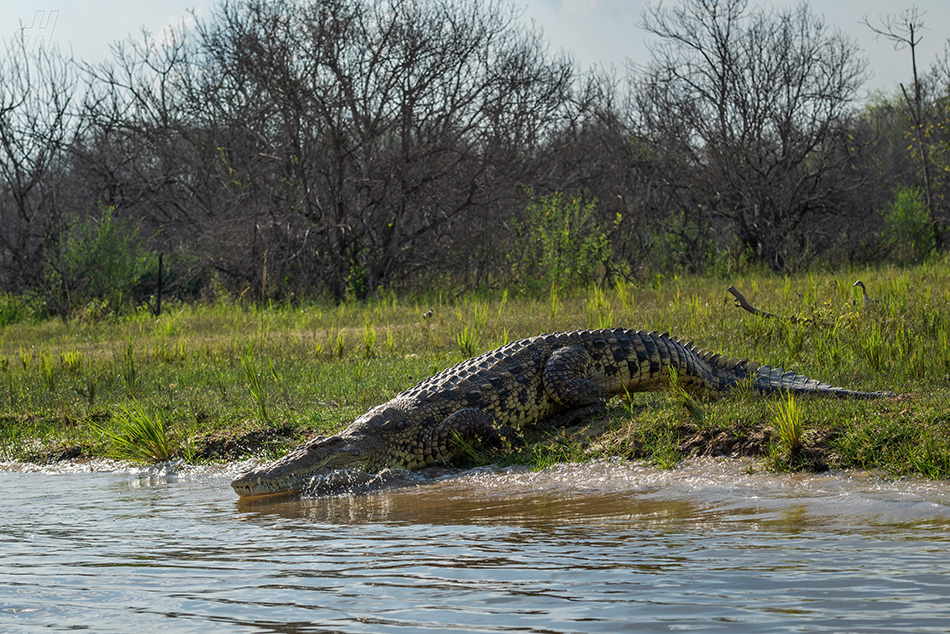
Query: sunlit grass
point(139, 435)
point(226, 369)
point(789, 421)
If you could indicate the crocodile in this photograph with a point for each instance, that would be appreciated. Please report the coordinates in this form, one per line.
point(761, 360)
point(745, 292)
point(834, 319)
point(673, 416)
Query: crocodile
point(556, 378)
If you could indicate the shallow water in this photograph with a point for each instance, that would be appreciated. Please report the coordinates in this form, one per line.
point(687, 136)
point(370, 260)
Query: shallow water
point(603, 547)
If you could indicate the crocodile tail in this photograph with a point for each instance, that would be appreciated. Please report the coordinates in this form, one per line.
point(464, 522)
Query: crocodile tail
point(732, 372)
point(770, 380)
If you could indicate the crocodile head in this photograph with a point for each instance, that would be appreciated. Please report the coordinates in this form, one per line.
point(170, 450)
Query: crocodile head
point(319, 461)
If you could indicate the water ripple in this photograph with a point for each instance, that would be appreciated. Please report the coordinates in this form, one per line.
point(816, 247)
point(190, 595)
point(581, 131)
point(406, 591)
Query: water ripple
point(603, 547)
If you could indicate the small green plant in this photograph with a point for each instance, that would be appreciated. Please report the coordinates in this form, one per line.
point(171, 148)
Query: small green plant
point(255, 383)
point(369, 340)
point(390, 342)
point(26, 358)
point(599, 313)
point(139, 435)
point(789, 421)
point(623, 294)
point(917, 360)
point(89, 387)
point(49, 367)
point(678, 395)
point(556, 450)
point(554, 301)
point(745, 388)
point(129, 375)
point(479, 314)
point(339, 345)
point(72, 361)
point(467, 341)
point(943, 345)
point(663, 446)
point(795, 339)
point(875, 349)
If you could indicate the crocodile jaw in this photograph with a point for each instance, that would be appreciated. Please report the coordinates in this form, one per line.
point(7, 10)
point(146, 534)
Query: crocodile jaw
point(321, 459)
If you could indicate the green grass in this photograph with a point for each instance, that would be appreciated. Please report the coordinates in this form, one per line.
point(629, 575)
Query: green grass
point(230, 371)
point(788, 418)
point(139, 435)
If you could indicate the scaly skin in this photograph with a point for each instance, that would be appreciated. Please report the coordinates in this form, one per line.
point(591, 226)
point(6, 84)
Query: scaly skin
point(549, 377)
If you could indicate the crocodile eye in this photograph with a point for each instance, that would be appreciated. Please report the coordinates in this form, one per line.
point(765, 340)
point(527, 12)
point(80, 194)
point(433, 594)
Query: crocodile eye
point(353, 450)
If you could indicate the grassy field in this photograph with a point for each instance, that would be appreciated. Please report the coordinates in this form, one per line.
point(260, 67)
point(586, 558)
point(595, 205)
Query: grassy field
point(229, 380)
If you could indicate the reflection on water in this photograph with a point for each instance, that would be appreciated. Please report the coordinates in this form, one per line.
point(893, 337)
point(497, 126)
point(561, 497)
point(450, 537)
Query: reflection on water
point(605, 547)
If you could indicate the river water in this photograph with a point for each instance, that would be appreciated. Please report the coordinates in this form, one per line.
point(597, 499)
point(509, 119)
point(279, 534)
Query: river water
point(602, 547)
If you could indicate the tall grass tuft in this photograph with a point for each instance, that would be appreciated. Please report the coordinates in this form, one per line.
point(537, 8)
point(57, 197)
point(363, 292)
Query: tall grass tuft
point(138, 435)
point(599, 313)
point(554, 301)
point(789, 421)
point(390, 342)
point(468, 342)
point(875, 349)
point(255, 384)
point(26, 358)
point(678, 395)
point(72, 361)
point(369, 340)
point(49, 367)
point(129, 375)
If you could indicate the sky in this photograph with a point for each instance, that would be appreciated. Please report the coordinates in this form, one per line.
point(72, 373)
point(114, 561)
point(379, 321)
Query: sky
point(595, 32)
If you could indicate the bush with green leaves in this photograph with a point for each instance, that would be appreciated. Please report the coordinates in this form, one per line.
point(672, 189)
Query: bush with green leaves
point(95, 260)
point(558, 243)
point(909, 233)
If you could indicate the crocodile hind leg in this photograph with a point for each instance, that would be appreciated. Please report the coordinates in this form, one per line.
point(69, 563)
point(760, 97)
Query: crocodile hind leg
point(469, 425)
point(565, 380)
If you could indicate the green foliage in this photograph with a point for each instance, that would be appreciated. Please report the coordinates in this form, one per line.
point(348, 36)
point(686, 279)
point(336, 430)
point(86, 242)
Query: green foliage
point(255, 383)
point(192, 365)
point(559, 243)
point(678, 396)
point(94, 262)
point(909, 233)
point(129, 375)
point(369, 340)
point(49, 369)
point(14, 310)
point(357, 281)
point(789, 421)
point(897, 445)
point(468, 342)
point(139, 435)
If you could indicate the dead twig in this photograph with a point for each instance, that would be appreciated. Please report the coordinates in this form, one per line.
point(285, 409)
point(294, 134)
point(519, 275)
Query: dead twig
point(743, 303)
